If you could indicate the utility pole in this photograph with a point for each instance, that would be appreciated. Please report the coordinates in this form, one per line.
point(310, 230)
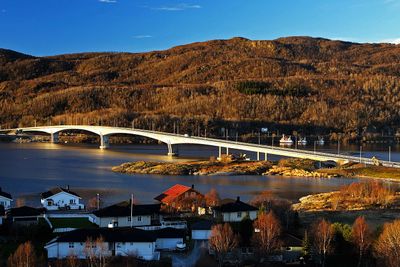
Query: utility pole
point(131, 210)
point(360, 153)
point(390, 153)
point(338, 146)
point(237, 136)
point(259, 137)
point(98, 201)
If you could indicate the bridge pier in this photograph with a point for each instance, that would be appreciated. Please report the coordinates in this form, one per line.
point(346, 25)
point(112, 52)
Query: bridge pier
point(54, 138)
point(258, 156)
point(171, 152)
point(219, 152)
point(266, 157)
point(104, 142)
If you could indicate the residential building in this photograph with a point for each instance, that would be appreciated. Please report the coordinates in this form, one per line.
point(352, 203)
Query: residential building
point(201, 230)
point(5, 199)
point(181, 197)
point(61, 198)
point(235, 211)
point(119, 215)
point(24, 215)
point(116, 242)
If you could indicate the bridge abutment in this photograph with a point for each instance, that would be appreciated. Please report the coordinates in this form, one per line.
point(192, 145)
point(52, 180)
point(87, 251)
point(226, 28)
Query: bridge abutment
point(104, 142)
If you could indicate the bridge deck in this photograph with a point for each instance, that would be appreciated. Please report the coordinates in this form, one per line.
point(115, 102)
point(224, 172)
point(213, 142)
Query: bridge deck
point(174, 139)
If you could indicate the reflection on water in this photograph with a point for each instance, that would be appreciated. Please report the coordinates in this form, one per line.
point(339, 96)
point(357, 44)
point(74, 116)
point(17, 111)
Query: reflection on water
point(28, 169)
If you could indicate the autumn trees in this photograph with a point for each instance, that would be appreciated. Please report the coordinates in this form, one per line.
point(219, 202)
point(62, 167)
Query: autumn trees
point(223, 240)
point(322, 237)
point(267, 231)
point(362, 237)
point(387, 246)
point(24, 256)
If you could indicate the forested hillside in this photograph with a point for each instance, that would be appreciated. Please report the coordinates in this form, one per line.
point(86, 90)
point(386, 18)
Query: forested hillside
point(289, 84)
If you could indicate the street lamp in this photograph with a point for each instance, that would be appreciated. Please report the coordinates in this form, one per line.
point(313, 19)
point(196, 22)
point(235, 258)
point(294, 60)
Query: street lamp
point(98, 201)
point(390, 153)
point(360, 153)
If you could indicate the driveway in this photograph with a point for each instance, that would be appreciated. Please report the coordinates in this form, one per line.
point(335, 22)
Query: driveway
point(190, 259)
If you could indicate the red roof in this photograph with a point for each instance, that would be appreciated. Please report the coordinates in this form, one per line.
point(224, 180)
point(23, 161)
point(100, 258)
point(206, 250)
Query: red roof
point(172, 193)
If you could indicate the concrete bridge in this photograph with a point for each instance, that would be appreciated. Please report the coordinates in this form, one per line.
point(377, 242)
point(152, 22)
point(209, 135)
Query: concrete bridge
point(171, 140)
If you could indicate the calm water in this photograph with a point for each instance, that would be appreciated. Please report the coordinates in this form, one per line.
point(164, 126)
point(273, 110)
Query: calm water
point(26, 170)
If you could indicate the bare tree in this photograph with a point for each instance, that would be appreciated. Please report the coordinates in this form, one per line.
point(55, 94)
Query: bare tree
point(323, 234)
point(387, 247)
point(361, 236)
point(89, 252)
point(212, 198)
point(101, 251)
point(264, 199)
point(222, 240)
point(72, 259)
point(24, 256)
point(268, 230)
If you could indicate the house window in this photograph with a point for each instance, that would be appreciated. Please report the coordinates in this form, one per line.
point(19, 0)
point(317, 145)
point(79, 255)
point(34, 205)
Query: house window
point(239, 214)
point(193, 194)
point(71, 245)
point(49, 202)
point(71, 201)
point(129, 219)
point(139, 218)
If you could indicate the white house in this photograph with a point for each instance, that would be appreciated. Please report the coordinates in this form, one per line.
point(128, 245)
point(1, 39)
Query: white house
point(116, 242)
point(201, 230)
point(119, 215)
point(235, 211)
point(61, 198)
point(5, 199)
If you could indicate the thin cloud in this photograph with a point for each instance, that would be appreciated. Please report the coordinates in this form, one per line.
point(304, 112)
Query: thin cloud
point(108, 1)
point(142, 36)
point(390, 41)
point(178, 7)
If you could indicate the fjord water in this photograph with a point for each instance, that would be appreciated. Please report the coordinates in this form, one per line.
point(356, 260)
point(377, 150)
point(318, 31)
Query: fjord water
point(28, 169)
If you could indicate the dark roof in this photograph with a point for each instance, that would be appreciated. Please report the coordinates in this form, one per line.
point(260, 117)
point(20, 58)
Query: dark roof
point(289, 240)
point(57, 190)
point(4, 194)
point(109, 235)
point(123, 209)
point(236, 206)
point(202, 225)
point(169, 233)
point(24, 211)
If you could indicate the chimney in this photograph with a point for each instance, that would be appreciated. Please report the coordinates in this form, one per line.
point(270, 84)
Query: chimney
point(192, 186)
point(0, 190)
point(237, 199)
point(68, 187)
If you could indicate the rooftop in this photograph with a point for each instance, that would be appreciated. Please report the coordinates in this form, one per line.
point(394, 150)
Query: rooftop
point(4, 194)
point(124, 209)
point(236, 206)
point(24, 211)
point(57, 190)
point(172, 193)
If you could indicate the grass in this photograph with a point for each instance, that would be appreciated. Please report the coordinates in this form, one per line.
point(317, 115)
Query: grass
point(71, 223)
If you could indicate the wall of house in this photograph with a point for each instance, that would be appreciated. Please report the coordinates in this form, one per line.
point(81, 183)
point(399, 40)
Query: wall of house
point(143, 250)
point(62, 199)
point(124, 221)
point(238, 216)
point(5, 202)
point(201, 234)
point(167, 243)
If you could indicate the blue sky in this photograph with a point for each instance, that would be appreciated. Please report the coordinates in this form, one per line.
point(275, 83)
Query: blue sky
point(48, 27)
